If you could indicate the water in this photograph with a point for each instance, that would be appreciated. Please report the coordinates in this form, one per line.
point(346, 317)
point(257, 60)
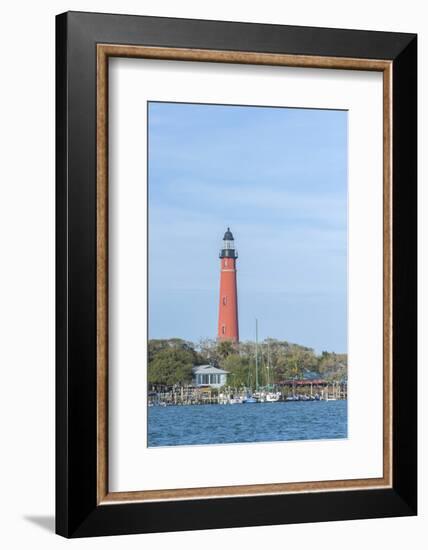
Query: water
point(213, 424)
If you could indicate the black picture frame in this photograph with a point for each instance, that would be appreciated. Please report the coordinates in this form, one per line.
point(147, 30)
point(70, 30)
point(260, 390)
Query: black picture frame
point(77, 511)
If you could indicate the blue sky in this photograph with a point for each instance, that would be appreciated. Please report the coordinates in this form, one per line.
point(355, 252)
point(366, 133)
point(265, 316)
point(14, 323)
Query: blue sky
point(278, 178)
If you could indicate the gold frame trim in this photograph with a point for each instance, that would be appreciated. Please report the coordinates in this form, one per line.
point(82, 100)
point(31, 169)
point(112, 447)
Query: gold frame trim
point(104, 51)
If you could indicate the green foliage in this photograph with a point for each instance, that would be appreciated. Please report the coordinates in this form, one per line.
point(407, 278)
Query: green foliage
point(225, 348)
point(171, 366)
point(214, 352)
point(238, 368)
point(333, 366)
point(171, 361)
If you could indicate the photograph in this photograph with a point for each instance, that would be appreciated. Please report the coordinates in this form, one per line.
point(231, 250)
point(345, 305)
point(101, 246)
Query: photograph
point(236, 269)
point(247, 274)
point(212, 286)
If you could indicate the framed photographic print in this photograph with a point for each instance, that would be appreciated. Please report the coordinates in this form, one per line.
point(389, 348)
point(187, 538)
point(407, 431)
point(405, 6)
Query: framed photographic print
point(236, 274)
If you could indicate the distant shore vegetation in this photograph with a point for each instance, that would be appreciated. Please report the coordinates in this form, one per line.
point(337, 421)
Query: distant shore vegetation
point(170, 361)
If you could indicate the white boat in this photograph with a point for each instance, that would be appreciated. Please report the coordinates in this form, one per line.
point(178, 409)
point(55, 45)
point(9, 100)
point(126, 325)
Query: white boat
point(260, 396)
point(222, 399)
point(236, 400)
point(273, 397)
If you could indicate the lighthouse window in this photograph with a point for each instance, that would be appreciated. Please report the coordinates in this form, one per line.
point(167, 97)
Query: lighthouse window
point(224, 300)
point(223, 329)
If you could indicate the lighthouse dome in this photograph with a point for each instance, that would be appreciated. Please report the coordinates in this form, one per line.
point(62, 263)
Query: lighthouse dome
point(228, 235)
point(228, 250)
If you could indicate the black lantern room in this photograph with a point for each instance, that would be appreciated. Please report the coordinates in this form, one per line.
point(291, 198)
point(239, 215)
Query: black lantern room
point(228, 250)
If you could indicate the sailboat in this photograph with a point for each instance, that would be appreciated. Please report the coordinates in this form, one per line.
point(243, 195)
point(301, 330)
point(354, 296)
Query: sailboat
point(271, 397)
point(236, 400)
point(254, 397)
point(260, 395)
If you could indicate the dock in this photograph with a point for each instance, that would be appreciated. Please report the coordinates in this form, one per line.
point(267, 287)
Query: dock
point(289, 391)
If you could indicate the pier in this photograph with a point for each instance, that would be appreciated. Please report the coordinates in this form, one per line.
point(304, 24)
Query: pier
point(290, 390)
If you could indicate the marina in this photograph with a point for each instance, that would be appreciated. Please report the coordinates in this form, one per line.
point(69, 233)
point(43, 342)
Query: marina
point(231, 391)
point(289, 391)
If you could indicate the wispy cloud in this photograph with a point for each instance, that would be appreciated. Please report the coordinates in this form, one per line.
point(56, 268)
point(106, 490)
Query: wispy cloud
point(277, 177)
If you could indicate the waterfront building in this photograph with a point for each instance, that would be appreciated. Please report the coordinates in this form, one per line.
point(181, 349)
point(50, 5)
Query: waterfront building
point(207, 375)
point(228, 307)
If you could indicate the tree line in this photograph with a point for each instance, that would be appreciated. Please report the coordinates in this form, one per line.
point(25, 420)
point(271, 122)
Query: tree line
point(170, 361)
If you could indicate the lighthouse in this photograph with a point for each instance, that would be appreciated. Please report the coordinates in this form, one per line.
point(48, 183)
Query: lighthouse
point(228, 306)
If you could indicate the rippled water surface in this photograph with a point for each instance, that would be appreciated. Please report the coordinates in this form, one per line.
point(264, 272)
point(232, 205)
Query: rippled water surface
point(212, 424)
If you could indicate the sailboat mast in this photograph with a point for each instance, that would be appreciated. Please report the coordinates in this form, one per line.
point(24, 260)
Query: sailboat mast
point(257, 356)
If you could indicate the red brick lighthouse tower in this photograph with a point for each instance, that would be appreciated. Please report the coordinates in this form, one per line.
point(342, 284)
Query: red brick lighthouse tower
point(228, 308)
